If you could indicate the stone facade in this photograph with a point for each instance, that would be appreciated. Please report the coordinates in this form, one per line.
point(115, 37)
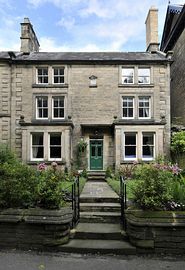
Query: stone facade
point(90, 98)
point(174, 40)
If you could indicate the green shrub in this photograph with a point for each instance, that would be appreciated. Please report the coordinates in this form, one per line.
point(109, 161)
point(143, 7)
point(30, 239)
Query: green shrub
point(6, 155)
point(49, 190)
point(153, 189)
point(178, 191)
point(178, 142)
point(17, 185)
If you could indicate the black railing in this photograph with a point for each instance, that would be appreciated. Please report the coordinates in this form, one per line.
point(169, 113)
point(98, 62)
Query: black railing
point(123, 201)
point(76, 201)
point(71, 195)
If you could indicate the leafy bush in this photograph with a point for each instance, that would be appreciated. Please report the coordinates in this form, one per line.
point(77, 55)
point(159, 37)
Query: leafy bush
point(153, 189)
point(23, 186)
point(6, 155)
point(49, 190)
point(178, 191)
point(17, 185)
point(178, 142)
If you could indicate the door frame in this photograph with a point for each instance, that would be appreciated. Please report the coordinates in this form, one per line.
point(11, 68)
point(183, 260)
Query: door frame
point(95, 139)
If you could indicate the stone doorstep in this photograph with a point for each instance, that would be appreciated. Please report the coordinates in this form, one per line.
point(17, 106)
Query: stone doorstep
point(99, 231)
point(100, 207)
point(86, 199)
point(100, 217)
point(98, 246)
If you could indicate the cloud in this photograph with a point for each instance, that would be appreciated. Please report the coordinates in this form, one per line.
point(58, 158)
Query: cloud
point(68, 23)
point(49, 44)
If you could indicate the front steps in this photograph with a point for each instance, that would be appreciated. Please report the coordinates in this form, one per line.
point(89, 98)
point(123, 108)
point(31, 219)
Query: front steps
point(99, 229)
point(96, 175)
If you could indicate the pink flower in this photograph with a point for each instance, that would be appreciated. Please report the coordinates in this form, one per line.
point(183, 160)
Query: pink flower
point(42, 167)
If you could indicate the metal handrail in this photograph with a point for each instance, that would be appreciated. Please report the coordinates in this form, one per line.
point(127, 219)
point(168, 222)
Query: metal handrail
point(123, 200)
point(74, 197)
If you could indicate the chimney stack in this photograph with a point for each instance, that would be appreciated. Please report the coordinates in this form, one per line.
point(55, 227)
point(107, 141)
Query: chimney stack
point(29, 41)
point(152, 43)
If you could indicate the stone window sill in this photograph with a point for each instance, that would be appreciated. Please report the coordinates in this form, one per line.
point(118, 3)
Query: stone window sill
point(49, 85)
point(136, 85)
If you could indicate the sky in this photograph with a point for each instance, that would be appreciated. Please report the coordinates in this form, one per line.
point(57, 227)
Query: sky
point(80, 25)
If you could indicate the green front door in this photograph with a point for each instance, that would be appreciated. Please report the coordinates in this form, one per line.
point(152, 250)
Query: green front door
point(96, 155)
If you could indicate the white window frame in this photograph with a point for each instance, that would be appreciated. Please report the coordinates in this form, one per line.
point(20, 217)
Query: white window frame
point(53, 97)
point(133, 108)
point(42, 76)
point(149, 76)
point(49, 152)
point(124, 76)
point(154, 145)
point(31, 148)
point(42, 108)
point(58, 75)
point(149, 108)
point(136, 146)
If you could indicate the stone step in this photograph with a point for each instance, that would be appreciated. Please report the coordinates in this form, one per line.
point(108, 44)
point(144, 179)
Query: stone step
point(96, 176)
point(86, 199)
point(100, 207)
point(98, 246)
point(99, 231)
point(100, 217)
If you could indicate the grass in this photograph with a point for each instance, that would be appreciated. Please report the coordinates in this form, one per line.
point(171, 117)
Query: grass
point(115, 185)
point(67, 186)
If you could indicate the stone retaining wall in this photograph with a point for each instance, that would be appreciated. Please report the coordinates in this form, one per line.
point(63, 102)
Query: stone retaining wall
point(34, 228)
point(157, 231)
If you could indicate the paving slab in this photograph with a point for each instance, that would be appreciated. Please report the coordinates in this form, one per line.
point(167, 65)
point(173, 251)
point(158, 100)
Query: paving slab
point(98, 189)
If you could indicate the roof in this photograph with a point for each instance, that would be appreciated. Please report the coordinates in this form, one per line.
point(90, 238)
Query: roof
point(83, 57)
point(173, 27)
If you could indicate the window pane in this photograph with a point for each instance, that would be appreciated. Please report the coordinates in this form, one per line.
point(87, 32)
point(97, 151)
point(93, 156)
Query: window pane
point(99, 151)
point(128, 107)
point(127, 75)
point(42, 107)
point(58, 107)
point(130, 145)
point(55, 139)
point(45, 113)
point(144, 75)
point(148, 146)
point(55, 145)
point(144, 107)
point(130, 112)
point(55, 152)
point(37, 139)
point(130, 139)
point(61, 113)
point(130, 151)
point(37, 146)
point(58, 75)
point(93, 151)
point(148, 139)
point(42, 75)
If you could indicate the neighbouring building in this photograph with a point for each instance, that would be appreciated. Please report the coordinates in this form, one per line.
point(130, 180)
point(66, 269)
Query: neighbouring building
point(117, 102)
point(173, 39)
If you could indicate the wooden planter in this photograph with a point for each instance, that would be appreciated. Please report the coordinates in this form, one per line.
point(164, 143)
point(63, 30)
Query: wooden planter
point(156, 231)
point(34, 228)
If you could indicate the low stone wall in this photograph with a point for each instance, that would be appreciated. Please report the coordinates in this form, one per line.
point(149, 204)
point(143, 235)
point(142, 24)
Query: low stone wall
point(157, 231)
point(34, 228)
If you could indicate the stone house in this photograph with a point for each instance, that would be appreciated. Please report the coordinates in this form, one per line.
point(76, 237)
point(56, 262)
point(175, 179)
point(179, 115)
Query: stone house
point(173, 39)
point(116, 102)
